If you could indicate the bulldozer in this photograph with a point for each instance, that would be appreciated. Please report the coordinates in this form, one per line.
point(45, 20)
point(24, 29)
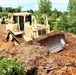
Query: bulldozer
point(23, 27)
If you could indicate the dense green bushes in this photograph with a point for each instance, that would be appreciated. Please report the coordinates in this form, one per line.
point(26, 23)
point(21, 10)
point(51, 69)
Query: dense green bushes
point(3, 14)
point(9, 66)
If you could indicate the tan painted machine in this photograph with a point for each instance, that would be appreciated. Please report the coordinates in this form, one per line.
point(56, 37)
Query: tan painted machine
point(22, 27)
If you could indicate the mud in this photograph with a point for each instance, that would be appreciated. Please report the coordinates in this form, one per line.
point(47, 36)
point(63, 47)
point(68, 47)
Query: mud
point(38, 59)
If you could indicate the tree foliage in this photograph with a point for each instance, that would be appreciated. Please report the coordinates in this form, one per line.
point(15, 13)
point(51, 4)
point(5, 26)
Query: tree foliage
point(30, 11)
point(72, 15)
point(45, 6)
point(19, 8)
point(9, 9)
point(3, 14)
point(63, 23)
point(0, 9)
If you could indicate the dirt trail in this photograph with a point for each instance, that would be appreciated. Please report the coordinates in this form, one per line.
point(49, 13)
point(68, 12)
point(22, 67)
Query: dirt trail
point(38, 59)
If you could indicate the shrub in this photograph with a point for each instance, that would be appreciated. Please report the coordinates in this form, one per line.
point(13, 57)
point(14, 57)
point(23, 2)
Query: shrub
point(3, 14)
point(9, 66)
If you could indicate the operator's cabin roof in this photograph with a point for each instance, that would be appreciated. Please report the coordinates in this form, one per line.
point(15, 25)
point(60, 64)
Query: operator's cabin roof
point(19, 14)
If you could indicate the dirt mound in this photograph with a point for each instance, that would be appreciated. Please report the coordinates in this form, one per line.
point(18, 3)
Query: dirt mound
point(63, 71)
point(3, 30)
point(32, 55)
point(4, 46)
point(38, 59)
point(29, 52)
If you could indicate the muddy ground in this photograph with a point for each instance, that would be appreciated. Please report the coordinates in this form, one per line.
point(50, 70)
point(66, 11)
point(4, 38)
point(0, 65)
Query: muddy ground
point(38, 59)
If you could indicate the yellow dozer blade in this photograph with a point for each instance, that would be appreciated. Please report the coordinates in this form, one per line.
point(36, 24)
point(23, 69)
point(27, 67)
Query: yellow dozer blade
point(55, 41)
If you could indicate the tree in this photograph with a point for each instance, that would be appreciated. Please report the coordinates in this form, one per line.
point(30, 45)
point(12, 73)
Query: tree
point(30, 11)
point(57, 12)
point(0, 9)
point(52, 19)
point(63, 23)
point(72, 15)
point(45, 6)
point(72, 8)
point(9, 9)
point(19, 8)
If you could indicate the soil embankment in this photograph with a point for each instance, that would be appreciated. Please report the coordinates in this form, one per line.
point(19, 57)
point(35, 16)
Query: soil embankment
point(38, 59)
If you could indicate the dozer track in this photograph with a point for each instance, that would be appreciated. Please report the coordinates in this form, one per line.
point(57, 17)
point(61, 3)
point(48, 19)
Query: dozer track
point(18, 38)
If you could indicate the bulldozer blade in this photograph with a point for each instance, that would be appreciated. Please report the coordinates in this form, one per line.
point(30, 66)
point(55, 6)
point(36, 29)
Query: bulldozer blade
point(55, 41)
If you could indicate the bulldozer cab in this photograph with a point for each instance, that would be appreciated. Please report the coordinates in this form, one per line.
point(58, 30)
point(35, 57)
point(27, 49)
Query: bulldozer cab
point(21, 19)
